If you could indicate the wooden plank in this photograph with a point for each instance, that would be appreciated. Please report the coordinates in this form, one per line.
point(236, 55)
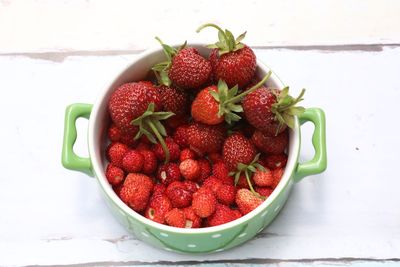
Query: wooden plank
point(54, 216)
point(43, 26)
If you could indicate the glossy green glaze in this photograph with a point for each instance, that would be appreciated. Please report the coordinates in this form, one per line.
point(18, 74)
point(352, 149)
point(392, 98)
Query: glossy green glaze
point(319, 162)
point(69, 159)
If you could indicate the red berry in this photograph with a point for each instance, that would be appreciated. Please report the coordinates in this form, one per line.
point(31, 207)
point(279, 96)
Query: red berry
point(205, 169)
point(215, 157)
point(189, 69)
point(235, 68)
point(174, 100)
point(190, 169)
point(264, 191)
point(127, 138)
point(204, 138)
point(204, 202)
point(192, 220)
point(158, 207)
point(176, 218)
point(275, 161)
point(114, 175)
point(277, 173)
point(270, 144)
point(220, 170)
point(238, 149)
point(179, 195)
point(187, 153)
point(180, 136)
point(205, 108)
point(212, 183)
point(116, 152)
point(132, 161)
point(129, 101)
point(150, 161)
point(142, 146)
point(263, 178)
point(159, 189)
point(168, 173)
point(191, 186)
point(247, 201)
point(114, 134)
point(173, 149)
point(223, 214)
point(242, 183)
point(136, 191)
point(226, 194)
point(237, 214)
point(176, 121)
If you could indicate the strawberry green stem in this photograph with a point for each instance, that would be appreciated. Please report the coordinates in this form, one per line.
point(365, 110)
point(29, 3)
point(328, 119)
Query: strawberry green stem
point(214, 26)
point(255, 87)
point(160, 139)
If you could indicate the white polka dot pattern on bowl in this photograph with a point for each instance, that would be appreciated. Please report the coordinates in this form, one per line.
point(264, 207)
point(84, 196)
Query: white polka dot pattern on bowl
point(163, 234)
point(216, 235)
point(191, 246)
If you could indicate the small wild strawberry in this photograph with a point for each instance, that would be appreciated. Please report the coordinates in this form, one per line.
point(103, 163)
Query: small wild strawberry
point(223, 214)
point(192, 220)
point(172, 147)
point(270, 144)
point(116, 152)
point(226, 194)
point(205, 169)
point(204, 202)
point(150, 161)
point(176, 218)
point(263, 177)
point(180, 136)
point(114, 175)
point(136, 191)
point(247, 201)
point(158, 207)
point(190, 169)
point(264, 191)
point(114, 134)
point(179, 195)
point(275, 161)
point(168, 173)
point(187, 153)
point(132, 161)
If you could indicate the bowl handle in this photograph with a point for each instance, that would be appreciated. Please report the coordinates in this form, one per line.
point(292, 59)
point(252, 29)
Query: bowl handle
point(69, 159)
point(319, 161)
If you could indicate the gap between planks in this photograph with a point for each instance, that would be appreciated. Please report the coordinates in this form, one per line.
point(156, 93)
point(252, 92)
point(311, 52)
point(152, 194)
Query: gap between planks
point(60, 56)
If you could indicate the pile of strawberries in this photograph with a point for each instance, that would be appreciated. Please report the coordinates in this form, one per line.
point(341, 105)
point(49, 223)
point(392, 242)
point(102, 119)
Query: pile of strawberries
point(204, 142)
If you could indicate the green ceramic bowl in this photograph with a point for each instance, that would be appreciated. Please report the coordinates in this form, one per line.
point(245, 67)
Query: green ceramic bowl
point(204, 240)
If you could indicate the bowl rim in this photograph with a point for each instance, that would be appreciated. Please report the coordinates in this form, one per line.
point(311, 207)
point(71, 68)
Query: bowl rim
point(100, 176)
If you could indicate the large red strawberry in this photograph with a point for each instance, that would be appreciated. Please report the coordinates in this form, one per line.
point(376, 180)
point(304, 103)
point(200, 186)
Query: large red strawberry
point(238, 149)
point(231, 60)
point(214, 104)
point(204, 138)
point(174, 100)
point(134, 109)
point(270, 144)
point(270, 111)
point(131, 100)
point(184, 67)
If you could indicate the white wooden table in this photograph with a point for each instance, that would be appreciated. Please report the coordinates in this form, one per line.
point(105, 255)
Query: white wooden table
point(56, 53)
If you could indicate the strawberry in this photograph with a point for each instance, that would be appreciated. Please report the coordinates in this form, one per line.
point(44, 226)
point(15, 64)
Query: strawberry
point(242, 182)
point(114, 174)
point(191, 186)
point(263, 177)
point(184, 67)
point(172, 147)
point(187, 153)
point(192, 220)
point(190, 169)
point(128, 138)
point(226, 194)
point(132, 161)
point(142, 146)
point(168, 173)
point(150, 161)
point(205, 169)
point(247, 201)
point(189, 69)
point(212, 183)
point(117, 189)
point(177, 120)
point(204, 138)
point(136, 191)
point(215, 157)
point(277, 173)
point(116, 152)
point(223, 214)
point(158, 189)
point(270, 144)
point(180, 136)
point(158, 207)
point(231, 60)
point(204, 202)
point(173, 99)
point(179, 195)
point(205, 108)
point(220, 170)
point(130, 101)
point(228, 180)
point(264, 191)
point(238, 149)
point(270, 111)
point(176, 218)
point(275, 161)
point(114, 133)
